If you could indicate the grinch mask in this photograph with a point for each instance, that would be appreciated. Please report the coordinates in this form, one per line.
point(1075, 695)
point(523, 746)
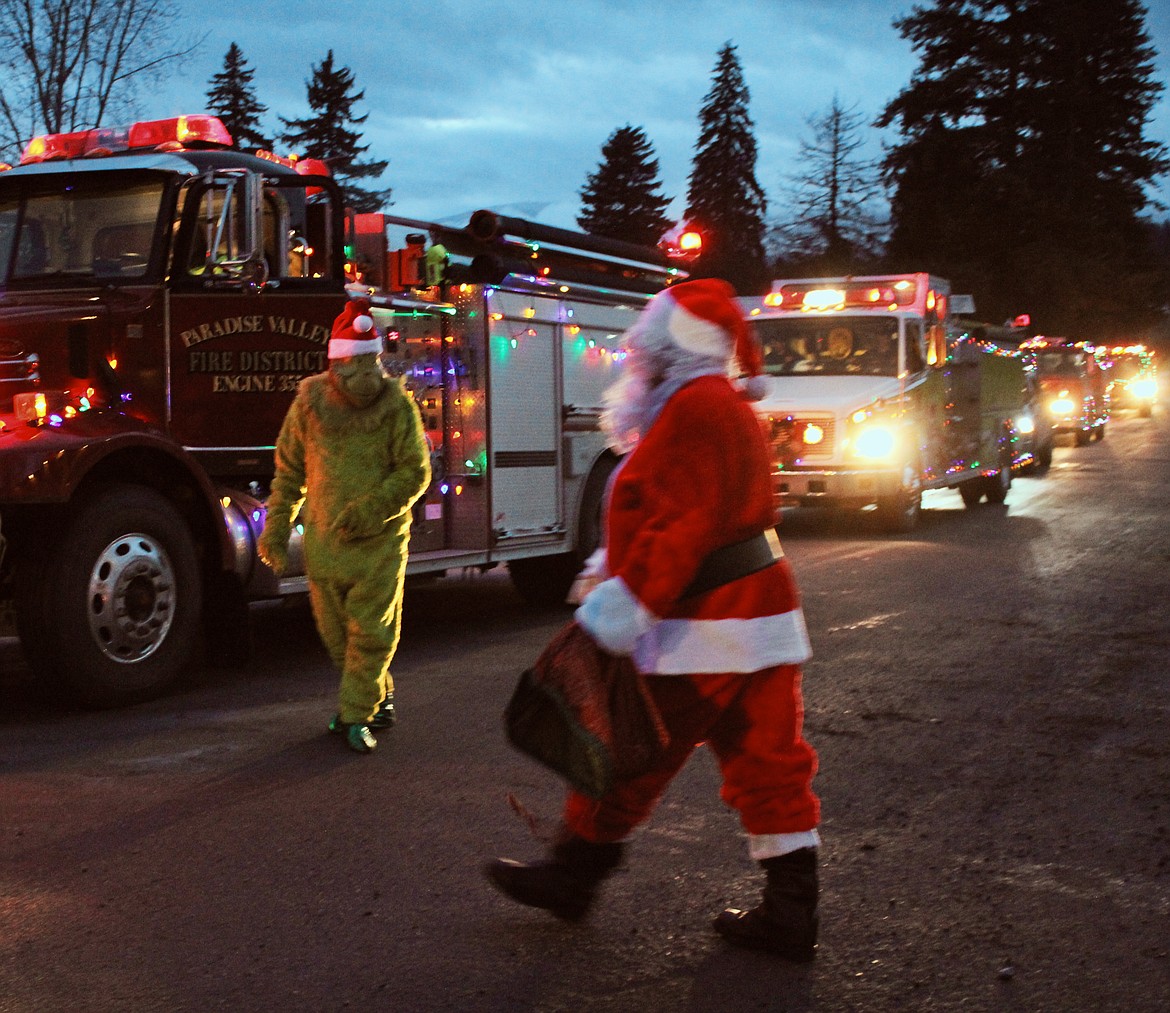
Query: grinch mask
point(359, 379)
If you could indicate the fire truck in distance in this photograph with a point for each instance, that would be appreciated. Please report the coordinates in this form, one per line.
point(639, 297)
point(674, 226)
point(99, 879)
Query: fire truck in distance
point(874, 396)
point(1131, 372)
point(161, 297)
point(1074, 395)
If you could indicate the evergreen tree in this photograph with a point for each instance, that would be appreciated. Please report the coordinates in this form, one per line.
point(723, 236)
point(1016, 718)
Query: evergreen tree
point(233, 99)
point(833, 228)
point(724, 200)
point(326, 135)
point(1023, 167)
point(622, 199)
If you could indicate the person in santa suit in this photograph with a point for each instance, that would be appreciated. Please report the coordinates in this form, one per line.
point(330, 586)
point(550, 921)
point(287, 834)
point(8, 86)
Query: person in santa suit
point(351, 459)
point(692, 585)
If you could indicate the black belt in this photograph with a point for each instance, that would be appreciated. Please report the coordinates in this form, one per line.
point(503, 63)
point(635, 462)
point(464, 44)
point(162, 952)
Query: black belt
point(734, 561)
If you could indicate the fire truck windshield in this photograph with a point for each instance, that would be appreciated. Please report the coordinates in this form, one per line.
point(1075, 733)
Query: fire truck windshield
point(91, 230)
point(1126, 367)
point(841, 346)
point(1061, 363)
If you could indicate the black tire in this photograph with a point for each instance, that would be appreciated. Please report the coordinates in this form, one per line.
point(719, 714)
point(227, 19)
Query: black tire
point(899, 514)
point(972, 491)
point(1082, 438)
point(546, 580)
point(996, 486)
point(1099, 432)
point(122, 617)
point(1044, 454)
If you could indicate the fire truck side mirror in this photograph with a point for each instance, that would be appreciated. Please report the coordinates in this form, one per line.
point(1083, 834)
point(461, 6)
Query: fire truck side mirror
point(253, 221)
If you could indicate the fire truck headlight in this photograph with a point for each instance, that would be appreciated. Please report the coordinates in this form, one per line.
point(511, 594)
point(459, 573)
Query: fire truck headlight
point(1144, 389)
point(874, 443)
point(813, 434)
point(1062, 406)
point(1025, 424)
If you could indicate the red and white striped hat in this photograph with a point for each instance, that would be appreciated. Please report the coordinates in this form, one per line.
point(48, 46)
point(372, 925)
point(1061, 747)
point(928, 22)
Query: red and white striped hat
point(707, 320)
point(354, 332)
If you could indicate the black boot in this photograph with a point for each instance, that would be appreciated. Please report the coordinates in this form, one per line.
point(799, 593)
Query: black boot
point(785, 922)
point(563, 884)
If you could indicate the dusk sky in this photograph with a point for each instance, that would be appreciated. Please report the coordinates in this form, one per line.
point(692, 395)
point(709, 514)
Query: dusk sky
point(507, 105)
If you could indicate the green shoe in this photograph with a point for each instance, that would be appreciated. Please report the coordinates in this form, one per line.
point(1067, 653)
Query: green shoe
point(360, 738)
point(385, 718)
point(337, 726)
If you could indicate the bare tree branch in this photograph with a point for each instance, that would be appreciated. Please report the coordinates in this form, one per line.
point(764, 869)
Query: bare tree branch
point(64, 64)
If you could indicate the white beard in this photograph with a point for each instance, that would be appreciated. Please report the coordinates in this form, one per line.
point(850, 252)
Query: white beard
point(623, 415)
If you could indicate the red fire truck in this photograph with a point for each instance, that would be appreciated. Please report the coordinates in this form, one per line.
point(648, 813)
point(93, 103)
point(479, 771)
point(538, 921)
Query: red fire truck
point(161, 296)
point(1074, 387)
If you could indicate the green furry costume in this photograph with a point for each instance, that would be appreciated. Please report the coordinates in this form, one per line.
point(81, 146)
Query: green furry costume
point(350, 475)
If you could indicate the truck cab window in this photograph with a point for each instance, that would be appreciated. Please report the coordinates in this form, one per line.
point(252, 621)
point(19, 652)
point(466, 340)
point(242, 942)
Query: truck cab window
point(867, 347)
point(8, 213)
point(79, 233)
point(295, 237)
point(915, 359)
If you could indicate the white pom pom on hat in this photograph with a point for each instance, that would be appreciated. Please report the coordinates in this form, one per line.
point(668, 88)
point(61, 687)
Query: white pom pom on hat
point(707, 320)
point(354, 332)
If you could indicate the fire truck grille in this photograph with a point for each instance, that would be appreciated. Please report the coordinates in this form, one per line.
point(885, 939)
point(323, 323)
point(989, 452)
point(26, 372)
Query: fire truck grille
point(800, 439)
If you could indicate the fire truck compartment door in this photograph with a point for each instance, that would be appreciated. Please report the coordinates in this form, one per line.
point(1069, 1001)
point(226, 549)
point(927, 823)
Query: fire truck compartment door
point(525, 426)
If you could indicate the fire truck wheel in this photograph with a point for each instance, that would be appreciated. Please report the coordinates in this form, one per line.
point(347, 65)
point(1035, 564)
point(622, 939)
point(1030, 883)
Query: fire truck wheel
point(1099, 432)
point(126, 599)
point(545, 580)
point(1044, 454)
point(997, 485)
point(900, 513)
point(972, 491)
point(1082, 438)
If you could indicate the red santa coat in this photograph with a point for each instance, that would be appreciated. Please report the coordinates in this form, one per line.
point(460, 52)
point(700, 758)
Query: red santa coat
point(697, 481)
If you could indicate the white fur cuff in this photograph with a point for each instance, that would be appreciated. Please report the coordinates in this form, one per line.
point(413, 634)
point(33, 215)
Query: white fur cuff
point(761, 846)
point(613, 617)
point(347, 348)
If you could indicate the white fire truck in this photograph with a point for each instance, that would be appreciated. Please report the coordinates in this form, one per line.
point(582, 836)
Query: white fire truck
point(161, 296)
point(873, 397)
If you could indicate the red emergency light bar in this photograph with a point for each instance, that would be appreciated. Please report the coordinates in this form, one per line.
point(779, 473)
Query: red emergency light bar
point(305, 166)
point(819, 296)
point(176, 134)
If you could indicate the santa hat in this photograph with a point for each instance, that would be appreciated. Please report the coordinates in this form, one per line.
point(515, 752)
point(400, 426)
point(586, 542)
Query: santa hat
point(354, 332)
point(706, 319)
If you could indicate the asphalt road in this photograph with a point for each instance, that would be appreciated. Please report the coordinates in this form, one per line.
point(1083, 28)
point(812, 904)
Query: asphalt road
point(989, 699)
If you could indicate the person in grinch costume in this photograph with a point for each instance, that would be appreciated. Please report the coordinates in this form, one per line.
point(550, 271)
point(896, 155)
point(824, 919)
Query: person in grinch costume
point(692, 585)
point(351, 460)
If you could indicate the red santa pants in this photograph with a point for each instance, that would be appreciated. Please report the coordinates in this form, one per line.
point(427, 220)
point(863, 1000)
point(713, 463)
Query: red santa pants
point(752, 723)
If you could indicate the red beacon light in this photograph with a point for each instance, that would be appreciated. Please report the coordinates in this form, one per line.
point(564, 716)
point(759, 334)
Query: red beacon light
point(180, 133)
point(690, 242)
point(683, 242)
